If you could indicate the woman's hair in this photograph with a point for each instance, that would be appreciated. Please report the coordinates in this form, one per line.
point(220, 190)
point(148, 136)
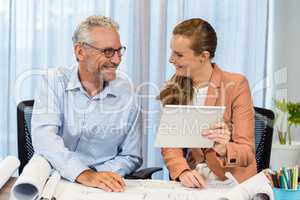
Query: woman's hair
point(179, 90)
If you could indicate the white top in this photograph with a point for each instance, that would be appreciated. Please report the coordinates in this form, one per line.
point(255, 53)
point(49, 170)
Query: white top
point(199, 100)
point(199, 96)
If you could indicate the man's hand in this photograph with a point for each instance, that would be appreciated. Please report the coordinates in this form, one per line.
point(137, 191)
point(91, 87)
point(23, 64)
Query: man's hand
point(108, 181)
point(192, 179)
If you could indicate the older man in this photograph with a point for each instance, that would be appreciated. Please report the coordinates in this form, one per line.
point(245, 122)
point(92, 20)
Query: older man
point(85, 120)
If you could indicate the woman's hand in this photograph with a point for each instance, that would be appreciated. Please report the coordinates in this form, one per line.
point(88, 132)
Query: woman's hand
point(192, 179)
point(220, 133)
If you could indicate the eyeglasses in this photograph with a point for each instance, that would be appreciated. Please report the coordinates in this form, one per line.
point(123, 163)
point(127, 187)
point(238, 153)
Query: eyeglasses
point(108, 52)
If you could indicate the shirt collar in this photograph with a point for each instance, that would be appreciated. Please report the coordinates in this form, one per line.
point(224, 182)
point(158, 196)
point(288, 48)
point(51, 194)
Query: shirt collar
point(74, 83)
point(108, 91)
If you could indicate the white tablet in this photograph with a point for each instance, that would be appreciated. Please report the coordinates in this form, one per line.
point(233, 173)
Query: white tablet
point(181, 125)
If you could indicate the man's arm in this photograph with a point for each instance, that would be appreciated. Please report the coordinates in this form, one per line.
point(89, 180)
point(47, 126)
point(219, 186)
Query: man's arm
point(47, 119)
point(130, 157)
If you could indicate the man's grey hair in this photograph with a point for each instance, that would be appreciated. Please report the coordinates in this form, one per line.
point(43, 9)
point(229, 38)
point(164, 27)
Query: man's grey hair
point(82, 32)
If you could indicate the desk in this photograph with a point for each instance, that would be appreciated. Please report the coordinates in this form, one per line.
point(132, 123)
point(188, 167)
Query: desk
point(157, 189)
point(5, 190)
point(135, 189)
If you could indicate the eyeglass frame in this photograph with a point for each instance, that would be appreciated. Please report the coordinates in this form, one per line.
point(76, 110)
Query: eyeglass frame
point(103, 50)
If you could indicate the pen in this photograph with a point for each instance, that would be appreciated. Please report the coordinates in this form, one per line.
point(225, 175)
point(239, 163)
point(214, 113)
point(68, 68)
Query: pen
point(296, 178)
point(286, 177)
point(274, 180)
point(293, 178)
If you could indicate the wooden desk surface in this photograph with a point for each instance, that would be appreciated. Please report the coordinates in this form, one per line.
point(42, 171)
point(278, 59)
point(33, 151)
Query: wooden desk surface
point(5, 190)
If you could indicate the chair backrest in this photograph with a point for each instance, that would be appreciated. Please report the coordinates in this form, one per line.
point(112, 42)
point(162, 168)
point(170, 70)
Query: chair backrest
point(25, 148)
point(263, 137)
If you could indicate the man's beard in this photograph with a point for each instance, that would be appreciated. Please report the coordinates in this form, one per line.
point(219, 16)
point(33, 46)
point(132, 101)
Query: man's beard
point(109, 65)
point(106, 69)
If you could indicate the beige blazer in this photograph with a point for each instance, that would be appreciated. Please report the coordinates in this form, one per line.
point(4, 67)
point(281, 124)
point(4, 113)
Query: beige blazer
point(230, 90)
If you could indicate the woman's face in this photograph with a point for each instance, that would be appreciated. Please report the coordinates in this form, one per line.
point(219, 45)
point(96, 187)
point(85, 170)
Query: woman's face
point(183, 57)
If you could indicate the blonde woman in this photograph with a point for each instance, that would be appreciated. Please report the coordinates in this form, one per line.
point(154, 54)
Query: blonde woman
point(199, 81)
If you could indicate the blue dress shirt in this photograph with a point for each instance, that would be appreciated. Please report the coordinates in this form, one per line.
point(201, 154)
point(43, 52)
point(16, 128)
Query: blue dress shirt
point(75, 131)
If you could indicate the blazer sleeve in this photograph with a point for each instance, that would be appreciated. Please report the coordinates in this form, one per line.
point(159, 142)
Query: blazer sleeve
point(175, 161)
point(241, 149)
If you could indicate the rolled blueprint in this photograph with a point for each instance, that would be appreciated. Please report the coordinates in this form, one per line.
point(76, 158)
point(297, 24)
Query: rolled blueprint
point(8, 167)
point(51, 185)
point(31, 182)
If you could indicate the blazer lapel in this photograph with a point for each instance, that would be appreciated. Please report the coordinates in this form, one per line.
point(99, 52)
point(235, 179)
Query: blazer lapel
point(214, 94)
point(214, 84)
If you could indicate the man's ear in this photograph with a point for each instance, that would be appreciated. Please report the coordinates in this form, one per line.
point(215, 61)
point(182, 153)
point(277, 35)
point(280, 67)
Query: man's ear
point(79, 52)
point(204, 56)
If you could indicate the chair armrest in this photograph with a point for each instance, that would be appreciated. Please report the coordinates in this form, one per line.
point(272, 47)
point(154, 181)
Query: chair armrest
point(143, 173)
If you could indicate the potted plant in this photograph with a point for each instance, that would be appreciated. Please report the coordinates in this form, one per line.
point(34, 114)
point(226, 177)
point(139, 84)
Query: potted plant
point(292, 111)
point(287, 152)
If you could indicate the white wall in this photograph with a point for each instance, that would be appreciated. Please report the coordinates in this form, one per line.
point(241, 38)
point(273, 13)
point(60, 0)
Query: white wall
point(284, 50)
point(283, 62)
point(286, 44)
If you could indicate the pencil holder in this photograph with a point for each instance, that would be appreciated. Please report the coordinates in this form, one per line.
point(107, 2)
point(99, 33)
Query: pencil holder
point(286, 194)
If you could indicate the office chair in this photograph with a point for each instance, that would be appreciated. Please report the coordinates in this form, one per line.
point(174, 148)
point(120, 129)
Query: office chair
point(26, 151)
point(263, 137)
